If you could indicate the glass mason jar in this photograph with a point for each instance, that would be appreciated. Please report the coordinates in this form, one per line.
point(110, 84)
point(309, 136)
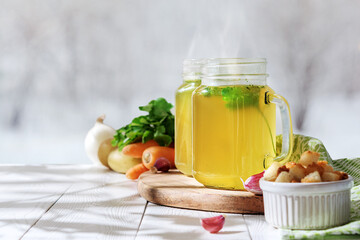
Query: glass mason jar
point(234, 123)
point(183, 131)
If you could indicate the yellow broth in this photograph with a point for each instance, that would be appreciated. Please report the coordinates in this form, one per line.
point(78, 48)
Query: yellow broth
point(183, 134)
point(233, 134)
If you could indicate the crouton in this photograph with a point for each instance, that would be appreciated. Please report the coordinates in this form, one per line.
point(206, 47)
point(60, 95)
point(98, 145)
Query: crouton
point(282, 169)
point(290, 165)
point(284, 177)
point(312, 178)
point(271, 173)
point(343, 175)
point(326, 167)
point(314, 167)
point(308, 170)
point(330, 176)
point(308, 158)
point(297, 172)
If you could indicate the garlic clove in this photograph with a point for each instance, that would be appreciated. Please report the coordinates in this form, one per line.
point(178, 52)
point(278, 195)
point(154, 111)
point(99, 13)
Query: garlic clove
point(252, 183)
point(98, 142)
point(213, 224)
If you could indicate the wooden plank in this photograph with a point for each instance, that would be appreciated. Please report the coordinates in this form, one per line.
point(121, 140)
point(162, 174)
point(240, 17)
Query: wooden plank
point(26, 193)
point(259, 229)
point(162, 222)
point(177, 190)
point(77, 202)
point(102, 205)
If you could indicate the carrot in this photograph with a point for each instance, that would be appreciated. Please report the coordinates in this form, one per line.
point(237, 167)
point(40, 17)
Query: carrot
point(152, 154)
point(136, 150)
point(134, 172)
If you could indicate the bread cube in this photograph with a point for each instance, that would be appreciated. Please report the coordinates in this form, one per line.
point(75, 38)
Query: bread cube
point(284, 177)
point(308, 158)
point(297, 172)
point(314, 167)
point(343, 175)
point(271, 173)
point(325, 166)
point(290, 165)
point(312, 177)
point(330, 176)
point(281, 169)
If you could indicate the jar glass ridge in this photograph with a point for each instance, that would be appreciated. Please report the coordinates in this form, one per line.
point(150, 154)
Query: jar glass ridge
point(234, 71)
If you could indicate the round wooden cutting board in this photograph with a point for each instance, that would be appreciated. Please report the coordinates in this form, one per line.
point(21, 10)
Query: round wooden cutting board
point(177, 190)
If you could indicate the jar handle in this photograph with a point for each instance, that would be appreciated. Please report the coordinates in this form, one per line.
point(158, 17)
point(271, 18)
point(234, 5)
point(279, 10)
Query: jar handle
point(287, 131)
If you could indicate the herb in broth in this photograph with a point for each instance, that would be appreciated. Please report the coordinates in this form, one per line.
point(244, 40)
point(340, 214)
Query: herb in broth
point(211, 91)
point(236, 97)
point(241, 96)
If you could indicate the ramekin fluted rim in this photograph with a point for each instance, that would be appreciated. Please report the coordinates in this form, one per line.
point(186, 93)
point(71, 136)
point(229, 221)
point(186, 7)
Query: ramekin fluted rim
point(298, 188)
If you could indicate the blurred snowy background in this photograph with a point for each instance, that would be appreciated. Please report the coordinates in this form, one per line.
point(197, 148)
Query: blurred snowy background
point(63, 63)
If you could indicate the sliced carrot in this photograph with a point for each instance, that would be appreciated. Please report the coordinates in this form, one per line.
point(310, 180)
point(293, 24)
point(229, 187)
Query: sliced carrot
point(136, 150)
point(134, 172)
point(151, 154)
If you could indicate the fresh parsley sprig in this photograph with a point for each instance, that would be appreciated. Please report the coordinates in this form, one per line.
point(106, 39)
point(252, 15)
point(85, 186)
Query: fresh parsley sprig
point(241, 96)
point(236, 97)
point(158, 125)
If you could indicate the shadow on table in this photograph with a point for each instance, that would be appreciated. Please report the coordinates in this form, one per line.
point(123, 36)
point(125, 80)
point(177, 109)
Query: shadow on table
point(49, 200)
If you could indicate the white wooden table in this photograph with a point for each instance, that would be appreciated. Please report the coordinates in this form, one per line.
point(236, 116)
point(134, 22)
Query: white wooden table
point(88, 202)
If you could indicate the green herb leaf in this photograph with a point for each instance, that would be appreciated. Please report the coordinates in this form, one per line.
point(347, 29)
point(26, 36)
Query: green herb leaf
point(158, 109)
point(241, 96)
point(158, 125)
point(160, 129)
point(169, 125)
point(235, 96)
point(148, 135)
point(163, 140)
point(211, 91)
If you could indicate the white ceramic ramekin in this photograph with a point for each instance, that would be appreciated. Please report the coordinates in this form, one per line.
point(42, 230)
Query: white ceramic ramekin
point(307, 205)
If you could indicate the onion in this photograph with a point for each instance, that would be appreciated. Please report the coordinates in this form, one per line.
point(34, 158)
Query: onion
point(162, 164)
point(98, 142)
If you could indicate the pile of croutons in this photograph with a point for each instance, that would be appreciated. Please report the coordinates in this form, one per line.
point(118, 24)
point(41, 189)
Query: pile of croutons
point(307, 170)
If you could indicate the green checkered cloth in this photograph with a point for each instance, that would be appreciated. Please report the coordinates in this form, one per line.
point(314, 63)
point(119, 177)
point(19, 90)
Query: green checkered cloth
point(350, 166)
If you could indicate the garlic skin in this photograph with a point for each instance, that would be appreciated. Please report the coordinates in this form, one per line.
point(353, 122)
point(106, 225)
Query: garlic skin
point(252, 183)
point(213, 224)
point(98, 142)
